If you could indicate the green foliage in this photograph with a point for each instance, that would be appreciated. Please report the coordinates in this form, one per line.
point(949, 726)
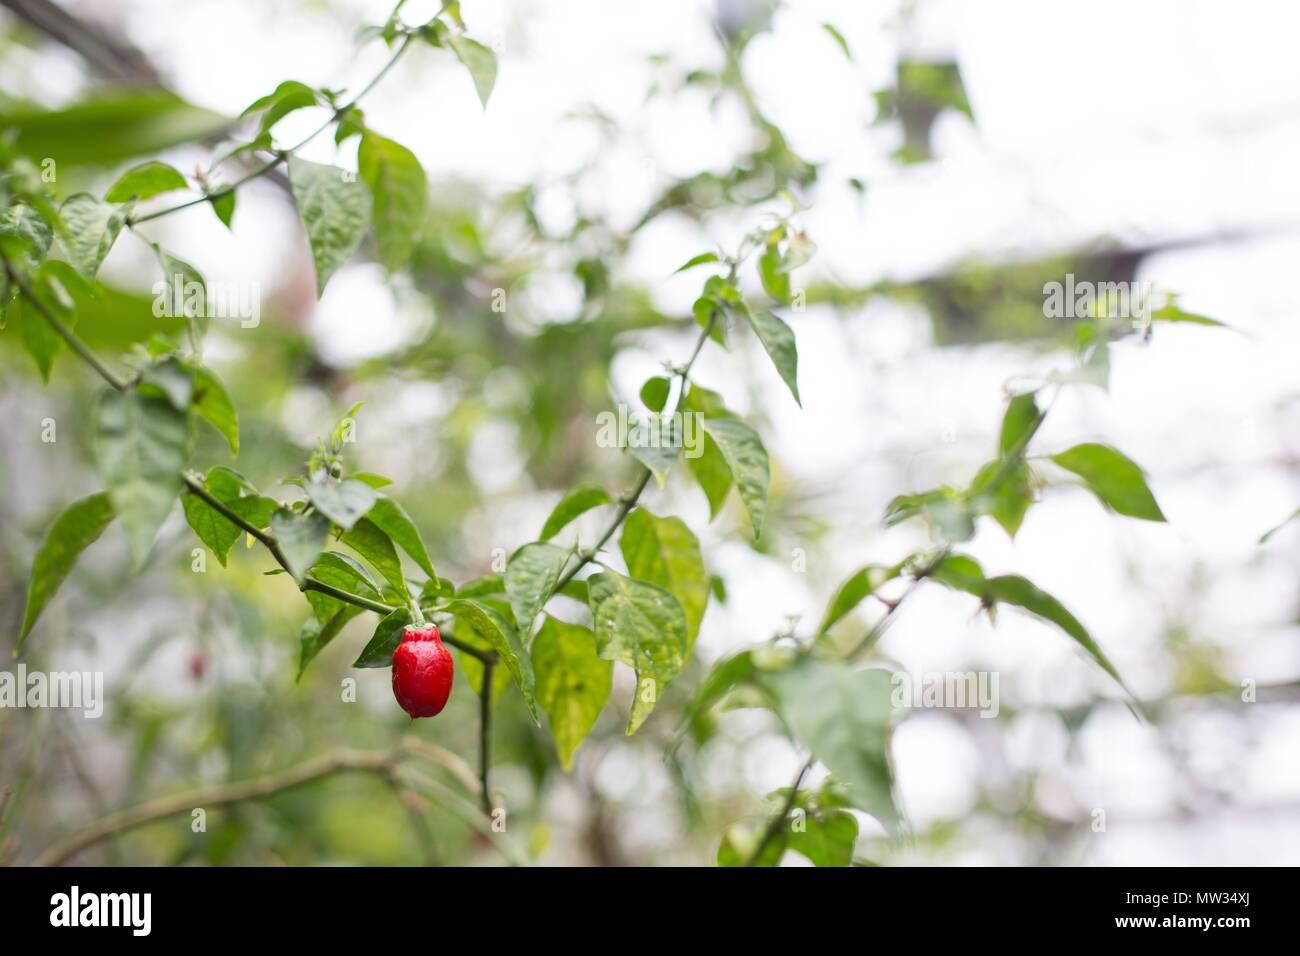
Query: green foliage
point(575, 503)
point(572, 683)
point(398, 188)
point(145, 181)
point(78, 527)
point(643, 626)
point(665, 552)
point(1114, 478)
point(335, 210)
point(746, 459)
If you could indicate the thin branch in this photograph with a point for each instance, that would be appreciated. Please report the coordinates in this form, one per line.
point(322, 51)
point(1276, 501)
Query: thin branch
point(485, 735)
point(132, 818)
point(74, 343)
point(629, 500)
point(777, 823)
point(281, 155)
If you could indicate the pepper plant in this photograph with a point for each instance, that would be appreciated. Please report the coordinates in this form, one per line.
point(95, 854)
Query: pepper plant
point(335, 532)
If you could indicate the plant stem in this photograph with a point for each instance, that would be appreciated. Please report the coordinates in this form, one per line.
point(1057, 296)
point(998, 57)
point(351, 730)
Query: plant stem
point(485, 734)
point(283, 154)
point(629, 500)
point(777, 823)
point(78, 346)
point(383, 763)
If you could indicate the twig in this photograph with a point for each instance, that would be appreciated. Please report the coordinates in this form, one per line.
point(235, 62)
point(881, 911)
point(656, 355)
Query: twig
point(281, 155)
point(149, 811)
point(777, 823)
point(629, 500)
point(485, 735)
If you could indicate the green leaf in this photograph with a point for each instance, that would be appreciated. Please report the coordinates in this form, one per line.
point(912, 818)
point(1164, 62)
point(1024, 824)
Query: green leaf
point(504, 639)
point(961, 573)
point(184, 286)
point(212, 402)
point(656, 446)
point(391, 518)
point(289, 96)
point(573, 684)
point(838, 37)
point(1020, 591)
point(1170, 312)
point(775, 280)
point(747, 461)
point(643, 626)
point(302, 537)
point(694, 261)
point(373, 480)
point(378, 651)
point(665, 552)
point(335, 211)
point(826, 838)
point(531, 575)
point(214, 529)
point(1114, 478)
point(372, 543)
point(39, 338)
point(146, 181)
point(317, 633)
point(399, 189)
point(170, 379)
point(140, 444)
point(654, 393)
point(91, 228)
point(481, 63)
point(853, 591)
point(342, 571)
point(79, 526)
point(778, 339)
point(575, 503)
point(1021, 420)
point(713, 474)
point(842, 716)
point(224, 206)
point(344, 503)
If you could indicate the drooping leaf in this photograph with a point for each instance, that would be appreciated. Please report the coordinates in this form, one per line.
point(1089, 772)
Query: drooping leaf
point(42, 342)
point(1020, 591)
point(302, 538)
point(317, 633)
point(171, 379)
point(775, 280)
point(573, 683)
point(504, 639)
point(378, 651)
point(1114, 478)
point(335, 210)
point(140, 445)
point(747, 460)
point(186, 294)
point(643, 626)
point(778, 340)
point(145, 181)
point(214, 529)
point(212, 402)
point(75, 529)
point(665, 552)
point(575, 503)
point(398, 189)
point(392, 519)
point(481, 63)
point(531, 575)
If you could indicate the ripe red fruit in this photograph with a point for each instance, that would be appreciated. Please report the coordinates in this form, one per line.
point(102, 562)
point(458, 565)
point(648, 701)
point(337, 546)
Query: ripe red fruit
point(422, 671)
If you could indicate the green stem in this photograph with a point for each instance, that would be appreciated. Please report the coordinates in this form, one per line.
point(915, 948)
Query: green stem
point(485, 734)
point(283, 154)
point(78, 346)
point(629, 500)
